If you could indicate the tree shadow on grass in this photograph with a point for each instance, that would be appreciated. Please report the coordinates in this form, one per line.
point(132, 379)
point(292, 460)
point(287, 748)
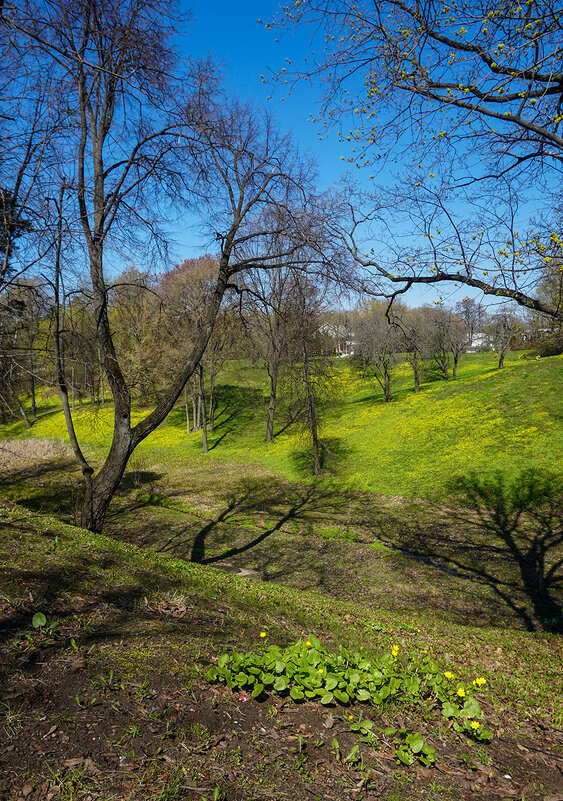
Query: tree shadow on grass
point(518, 544)
point(250, 503)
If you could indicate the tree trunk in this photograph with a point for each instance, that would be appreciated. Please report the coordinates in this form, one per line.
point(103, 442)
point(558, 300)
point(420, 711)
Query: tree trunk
point(272, 403)
point(203, 412)
point(312, 413)
point(21, 409)
point(387, 387)
point(416, 371)
point(187, 408)
point(195, 417)
point(454, 371)
point(212, 398)
point(32, 392)
point(72, 387)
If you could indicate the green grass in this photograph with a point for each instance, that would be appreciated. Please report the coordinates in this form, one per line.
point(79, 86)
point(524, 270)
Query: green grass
point(355, 568)
point(488, 419)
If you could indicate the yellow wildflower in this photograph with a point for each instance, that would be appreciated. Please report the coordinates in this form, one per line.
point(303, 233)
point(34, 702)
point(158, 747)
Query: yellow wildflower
point(475, 725)
point(448, 674)
point(262, 633)
point(461, 692)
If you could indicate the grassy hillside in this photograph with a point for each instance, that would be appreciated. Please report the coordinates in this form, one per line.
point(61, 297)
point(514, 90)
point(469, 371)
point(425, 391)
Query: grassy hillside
point(488, 419)
point(108, 698)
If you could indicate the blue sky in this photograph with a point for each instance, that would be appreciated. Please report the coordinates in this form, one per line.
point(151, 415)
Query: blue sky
point(245, 50)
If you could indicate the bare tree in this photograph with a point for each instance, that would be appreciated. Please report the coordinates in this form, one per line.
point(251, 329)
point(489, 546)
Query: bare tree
point(465, 86)
point(377, 345)
point(132, 133)
point(502, 329)
point(482, 74)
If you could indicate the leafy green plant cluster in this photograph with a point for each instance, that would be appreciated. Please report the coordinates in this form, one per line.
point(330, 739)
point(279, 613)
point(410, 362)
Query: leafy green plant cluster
point(306, 670)
point(411, 745)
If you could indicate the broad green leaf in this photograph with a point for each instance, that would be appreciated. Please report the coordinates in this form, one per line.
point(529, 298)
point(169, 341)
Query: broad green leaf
point(38, 620)
point(328, 698)
point(415, 742)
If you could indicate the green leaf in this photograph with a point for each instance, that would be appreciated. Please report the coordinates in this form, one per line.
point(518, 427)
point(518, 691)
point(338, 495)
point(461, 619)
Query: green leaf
point(268, 678)
point(363, 695)
point(331, 682)
point(415, 742)
point(471, 709)
point(296, 693)
point(449, 710)
point(223, 660)
point(38, 620)
point(327, 698)
point(352, 755)
point(258, 689)
point(342, 696)
point(404, 756)
point(280, 684)
point(212, 674)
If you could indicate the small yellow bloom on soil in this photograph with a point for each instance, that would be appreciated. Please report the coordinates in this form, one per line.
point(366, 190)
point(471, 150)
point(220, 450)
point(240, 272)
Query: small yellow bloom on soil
point(479, 682)
point(394, 650)
point(475, 725)
point(461, 692)
point(262, 633)
point(448, 674)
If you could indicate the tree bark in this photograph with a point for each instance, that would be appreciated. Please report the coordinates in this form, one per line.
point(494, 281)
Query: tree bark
point(273, 372)
point(203, 412)
point(20, 407)
point(195, 408)
point(212, 398)
point(416, 372)
point(32, 393)
point(187, 408)
point(312, 413)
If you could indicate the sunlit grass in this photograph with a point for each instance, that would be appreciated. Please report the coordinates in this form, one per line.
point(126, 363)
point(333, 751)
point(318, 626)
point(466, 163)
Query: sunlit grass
point(488, 419)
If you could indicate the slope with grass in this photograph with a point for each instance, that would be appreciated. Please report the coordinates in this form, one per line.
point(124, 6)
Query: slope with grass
point(488, 419)
point(107, 698)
